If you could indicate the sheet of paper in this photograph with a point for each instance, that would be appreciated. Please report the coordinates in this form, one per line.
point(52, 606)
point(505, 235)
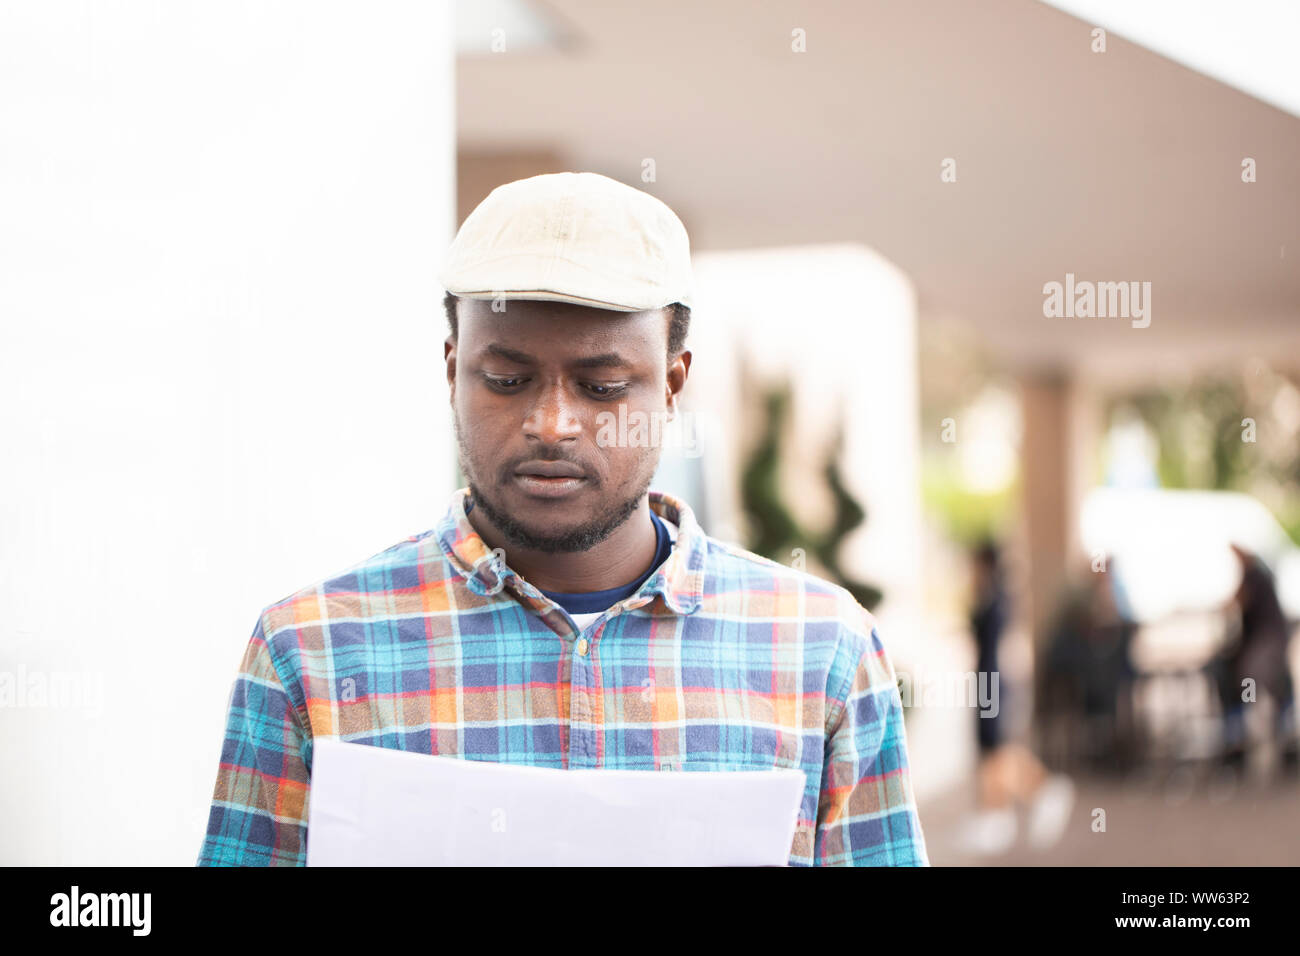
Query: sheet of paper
point(371, 806)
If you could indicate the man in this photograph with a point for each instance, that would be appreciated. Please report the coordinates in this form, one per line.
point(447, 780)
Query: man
point(1256, 654)
point(562, 614)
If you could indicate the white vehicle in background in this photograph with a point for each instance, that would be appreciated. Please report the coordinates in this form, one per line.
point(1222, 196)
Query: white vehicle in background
point(1170, 552)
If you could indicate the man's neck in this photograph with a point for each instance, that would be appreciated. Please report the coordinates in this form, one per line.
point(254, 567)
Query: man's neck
point(620, 558)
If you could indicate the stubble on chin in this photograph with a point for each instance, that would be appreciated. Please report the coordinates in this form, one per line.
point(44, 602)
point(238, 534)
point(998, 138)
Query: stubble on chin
point(607, 520)
point(580, 538)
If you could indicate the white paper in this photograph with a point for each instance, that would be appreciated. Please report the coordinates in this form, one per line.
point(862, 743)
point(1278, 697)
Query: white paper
point(372, 806)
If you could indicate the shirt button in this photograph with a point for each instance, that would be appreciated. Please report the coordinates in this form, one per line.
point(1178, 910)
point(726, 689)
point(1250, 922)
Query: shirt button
point(582, 647)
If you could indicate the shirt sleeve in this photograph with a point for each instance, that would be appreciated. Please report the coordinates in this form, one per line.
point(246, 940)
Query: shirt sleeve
point(259, 804)
point(866, 812)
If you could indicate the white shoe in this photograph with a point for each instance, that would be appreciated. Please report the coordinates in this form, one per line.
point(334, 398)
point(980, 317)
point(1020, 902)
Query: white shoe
point(989, 832)
point(1050, 813)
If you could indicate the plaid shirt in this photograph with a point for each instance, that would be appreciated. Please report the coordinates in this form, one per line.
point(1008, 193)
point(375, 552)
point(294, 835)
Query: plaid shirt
point(722, 660)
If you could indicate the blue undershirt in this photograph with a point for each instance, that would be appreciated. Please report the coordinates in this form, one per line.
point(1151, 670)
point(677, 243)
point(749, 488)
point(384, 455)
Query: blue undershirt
point(593, 602)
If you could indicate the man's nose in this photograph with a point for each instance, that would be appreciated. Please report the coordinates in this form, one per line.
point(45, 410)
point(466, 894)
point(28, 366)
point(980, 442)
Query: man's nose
point(553, 418)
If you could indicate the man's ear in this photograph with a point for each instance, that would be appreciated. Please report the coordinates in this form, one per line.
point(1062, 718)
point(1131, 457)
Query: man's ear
point(449, 356)
point(678, 370)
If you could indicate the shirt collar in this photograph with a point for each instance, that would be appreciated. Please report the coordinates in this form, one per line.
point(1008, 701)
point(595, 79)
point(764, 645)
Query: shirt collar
point(679, 580)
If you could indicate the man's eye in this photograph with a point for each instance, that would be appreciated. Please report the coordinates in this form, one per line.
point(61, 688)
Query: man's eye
point(605, 391)
point(505, 383)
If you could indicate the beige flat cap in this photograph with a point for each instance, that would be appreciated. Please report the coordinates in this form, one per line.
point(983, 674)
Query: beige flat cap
point(572, 237)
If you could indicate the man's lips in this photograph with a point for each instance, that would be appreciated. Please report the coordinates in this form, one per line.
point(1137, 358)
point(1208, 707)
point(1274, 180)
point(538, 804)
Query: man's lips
point(550, 469)
point(549, 479)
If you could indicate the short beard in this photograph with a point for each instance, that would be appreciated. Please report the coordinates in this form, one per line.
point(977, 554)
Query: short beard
point(578, 539)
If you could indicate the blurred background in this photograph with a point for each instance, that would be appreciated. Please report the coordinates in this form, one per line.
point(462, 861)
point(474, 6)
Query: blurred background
point(1078, 527)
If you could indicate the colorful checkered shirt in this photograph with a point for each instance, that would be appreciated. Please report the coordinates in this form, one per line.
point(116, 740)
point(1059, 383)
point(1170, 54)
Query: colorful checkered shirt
point(722, 660)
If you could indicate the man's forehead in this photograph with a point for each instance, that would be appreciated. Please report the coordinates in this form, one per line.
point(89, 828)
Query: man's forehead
point(560, 322)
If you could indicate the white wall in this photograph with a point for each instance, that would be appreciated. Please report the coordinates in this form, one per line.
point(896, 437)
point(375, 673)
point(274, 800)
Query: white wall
point(220, 371)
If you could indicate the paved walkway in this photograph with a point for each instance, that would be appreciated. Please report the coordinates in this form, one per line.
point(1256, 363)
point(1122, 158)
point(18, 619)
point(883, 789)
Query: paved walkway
point(1189, 817)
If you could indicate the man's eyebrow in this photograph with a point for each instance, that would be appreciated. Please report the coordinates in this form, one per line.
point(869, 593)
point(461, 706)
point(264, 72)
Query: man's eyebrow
point(603, 360)
point(509, 354)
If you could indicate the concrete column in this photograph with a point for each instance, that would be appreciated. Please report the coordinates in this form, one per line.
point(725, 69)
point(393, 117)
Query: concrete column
point(1047, 512)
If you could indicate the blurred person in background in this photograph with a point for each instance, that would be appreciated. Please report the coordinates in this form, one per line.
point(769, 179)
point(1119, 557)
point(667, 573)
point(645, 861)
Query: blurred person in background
point(1256, 651)
point(1008, 772)
point(1090, 674)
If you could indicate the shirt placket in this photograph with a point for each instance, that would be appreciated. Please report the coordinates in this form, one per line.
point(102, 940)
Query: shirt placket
point(585, 717)
point(586, 702)
point(585, 708)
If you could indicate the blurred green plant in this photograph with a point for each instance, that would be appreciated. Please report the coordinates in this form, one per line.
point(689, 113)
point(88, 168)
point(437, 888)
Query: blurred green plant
point(967, 517)
point(774, 531)
point(1199, 440)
